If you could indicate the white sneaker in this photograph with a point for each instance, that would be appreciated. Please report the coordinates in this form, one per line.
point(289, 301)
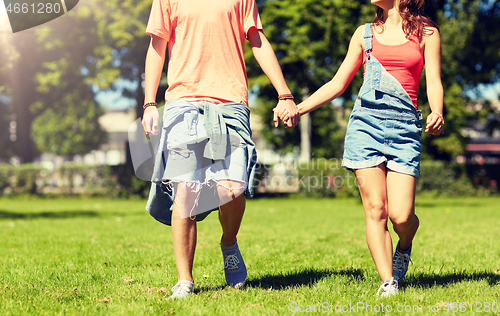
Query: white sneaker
point(182, 289)
point(388, 288)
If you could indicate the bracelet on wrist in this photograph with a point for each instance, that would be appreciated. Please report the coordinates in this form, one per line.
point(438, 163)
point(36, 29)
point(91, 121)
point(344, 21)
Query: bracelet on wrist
point(285, 97)
point(149, 104)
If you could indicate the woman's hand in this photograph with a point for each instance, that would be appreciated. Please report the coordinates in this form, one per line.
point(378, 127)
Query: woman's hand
point(435, 122)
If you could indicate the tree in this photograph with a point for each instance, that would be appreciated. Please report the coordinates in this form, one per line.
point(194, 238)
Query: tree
point(17, 66)
point(66, 114)
point(8, 129)
point(70, 126)
point(121, 51)
point(111, 44)
point(90, 47)
point(8, 132)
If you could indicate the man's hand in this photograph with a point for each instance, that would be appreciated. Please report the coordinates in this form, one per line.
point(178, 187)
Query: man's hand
point(435, 124)
point(150, 120)
point(287, 111)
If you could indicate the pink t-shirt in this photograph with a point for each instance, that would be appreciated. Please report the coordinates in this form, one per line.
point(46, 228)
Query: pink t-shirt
point(206, 43)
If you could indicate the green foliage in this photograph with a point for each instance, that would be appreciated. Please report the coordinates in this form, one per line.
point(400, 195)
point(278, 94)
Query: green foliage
point(319, 178)
point(70, 127)
point(93, 45)
point(72, 179)
point(122, 45)
point(6, 111)
point(6, 144)
point(441, 178)
point(126, 184)
point(17, 64)
point(326, 178)
point(109, 257)
point(19, 180)
point(456, 26)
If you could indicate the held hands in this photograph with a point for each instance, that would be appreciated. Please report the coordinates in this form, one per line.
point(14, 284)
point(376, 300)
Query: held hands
point(288, 112)
point(150, 120)
point(435, 122)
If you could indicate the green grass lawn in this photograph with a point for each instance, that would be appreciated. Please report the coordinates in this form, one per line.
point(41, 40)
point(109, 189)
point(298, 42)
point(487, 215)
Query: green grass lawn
point(100, 256)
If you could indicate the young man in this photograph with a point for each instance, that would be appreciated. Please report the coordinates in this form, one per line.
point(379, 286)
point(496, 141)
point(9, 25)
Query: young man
point(205, 143)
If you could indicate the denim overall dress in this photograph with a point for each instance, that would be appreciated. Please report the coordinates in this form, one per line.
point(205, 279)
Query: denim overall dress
point(384, 126)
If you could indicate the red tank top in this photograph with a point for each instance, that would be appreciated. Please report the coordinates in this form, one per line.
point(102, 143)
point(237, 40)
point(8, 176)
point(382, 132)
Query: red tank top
point(404, 62)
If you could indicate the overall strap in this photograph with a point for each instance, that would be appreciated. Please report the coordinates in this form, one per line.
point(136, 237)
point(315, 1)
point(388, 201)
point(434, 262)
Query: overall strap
point(368, 37)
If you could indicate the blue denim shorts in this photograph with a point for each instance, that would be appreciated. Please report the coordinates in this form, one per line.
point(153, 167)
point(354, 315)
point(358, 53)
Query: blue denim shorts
point(387, 135)
point(185, 157)
point(200, 145)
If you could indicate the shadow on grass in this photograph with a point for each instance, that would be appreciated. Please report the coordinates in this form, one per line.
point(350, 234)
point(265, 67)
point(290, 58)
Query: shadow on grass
point(198, 290)
point(427, 280)
point(301, 278)
point(289, 279)
point(59, 214)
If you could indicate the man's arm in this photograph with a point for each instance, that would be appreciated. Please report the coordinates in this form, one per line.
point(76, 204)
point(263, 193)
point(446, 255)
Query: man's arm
point(265, 56)
point(155, 59)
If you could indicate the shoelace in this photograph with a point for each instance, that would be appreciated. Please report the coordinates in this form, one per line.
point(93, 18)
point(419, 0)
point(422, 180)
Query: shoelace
point(231, 262)
point(390, 287)
point(382, 288)
point(401, 259)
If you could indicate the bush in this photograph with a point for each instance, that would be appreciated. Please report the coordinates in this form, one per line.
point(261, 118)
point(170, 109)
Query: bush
point(19, 180)
point(111, 181)
point(319, 178)
point(326, 178)
point(442, 178)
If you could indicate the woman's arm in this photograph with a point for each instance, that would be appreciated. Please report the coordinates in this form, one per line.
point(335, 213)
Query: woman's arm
point(342, 78)
point(155, 59)
point(432, 55)
point(265, 56)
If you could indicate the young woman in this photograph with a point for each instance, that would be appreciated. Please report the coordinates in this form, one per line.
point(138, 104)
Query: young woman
point(382, 143)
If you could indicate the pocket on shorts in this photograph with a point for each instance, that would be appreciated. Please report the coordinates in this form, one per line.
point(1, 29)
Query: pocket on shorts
point(411, 129)
point(237, 148)
point(418, 128)
point(352, 117)
point(191, 121)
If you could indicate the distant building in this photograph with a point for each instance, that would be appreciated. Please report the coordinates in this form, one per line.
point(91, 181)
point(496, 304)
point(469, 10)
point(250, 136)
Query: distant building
point(116, 124)
point(484, 145)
